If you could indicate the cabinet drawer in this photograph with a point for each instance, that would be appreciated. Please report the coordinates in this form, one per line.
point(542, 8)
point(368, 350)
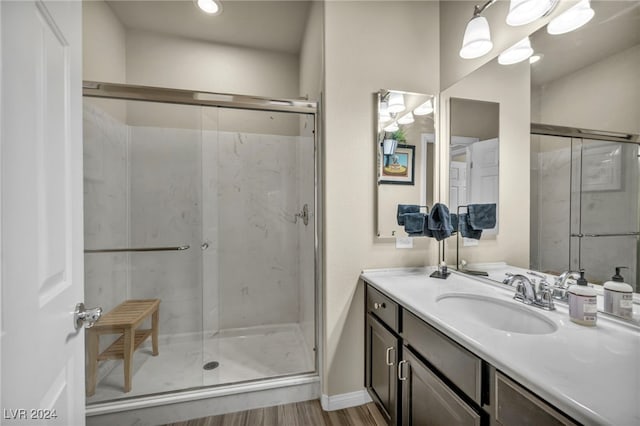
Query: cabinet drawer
point(383, 307)
point(515, 405)
point(456, 363)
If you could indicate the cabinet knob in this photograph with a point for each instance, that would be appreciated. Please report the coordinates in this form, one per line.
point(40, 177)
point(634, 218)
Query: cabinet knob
point(377, 305)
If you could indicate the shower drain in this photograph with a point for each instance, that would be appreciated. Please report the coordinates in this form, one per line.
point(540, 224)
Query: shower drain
point(211, 365)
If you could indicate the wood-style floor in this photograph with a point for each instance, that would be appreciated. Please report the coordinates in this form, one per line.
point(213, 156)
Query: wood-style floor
point(308, 413)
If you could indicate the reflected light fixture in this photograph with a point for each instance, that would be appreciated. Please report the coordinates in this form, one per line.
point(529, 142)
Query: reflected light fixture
point(424, 109)
point(522, 12)
point(392, 127)
point(517, 53)
point(406, 119)
point(535, 58)
point(396, 103)
point(212, 7)
point(572, 19)
point(477, 36)
point(384, 115)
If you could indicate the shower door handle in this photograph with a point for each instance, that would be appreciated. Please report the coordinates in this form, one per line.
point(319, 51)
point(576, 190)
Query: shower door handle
point(304, 215)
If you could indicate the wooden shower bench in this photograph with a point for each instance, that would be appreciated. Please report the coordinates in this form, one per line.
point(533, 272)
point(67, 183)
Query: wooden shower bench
point(124, 319)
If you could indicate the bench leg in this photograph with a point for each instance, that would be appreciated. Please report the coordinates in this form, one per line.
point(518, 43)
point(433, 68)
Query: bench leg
point(129, 343)
point(154, 331)
point(92, 372)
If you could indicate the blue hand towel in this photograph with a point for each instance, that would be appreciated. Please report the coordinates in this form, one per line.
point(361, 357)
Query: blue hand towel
point(414, 223)
point(454, 223)
point(404, 209)
point(439, 222)
point(482, 216)
point(465, 228)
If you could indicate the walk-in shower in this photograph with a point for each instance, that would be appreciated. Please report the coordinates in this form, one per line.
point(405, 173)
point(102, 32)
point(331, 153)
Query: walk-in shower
point(585, 202)
point(207, 203)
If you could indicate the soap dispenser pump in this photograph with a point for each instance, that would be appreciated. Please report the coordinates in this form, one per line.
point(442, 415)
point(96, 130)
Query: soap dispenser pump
point(618, 296)
point(583, 308)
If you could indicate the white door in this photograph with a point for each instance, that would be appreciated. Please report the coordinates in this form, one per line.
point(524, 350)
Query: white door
point(457, 184)
point(42, 230)
point(483, 183)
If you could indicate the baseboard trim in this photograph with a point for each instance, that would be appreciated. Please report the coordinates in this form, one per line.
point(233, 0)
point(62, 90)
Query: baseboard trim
point(344, 400)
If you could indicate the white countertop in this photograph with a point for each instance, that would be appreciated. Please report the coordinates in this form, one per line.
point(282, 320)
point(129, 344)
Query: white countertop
point(590, 373)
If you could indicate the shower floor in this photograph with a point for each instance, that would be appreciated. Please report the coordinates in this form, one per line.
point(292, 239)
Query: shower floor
point(243, 354)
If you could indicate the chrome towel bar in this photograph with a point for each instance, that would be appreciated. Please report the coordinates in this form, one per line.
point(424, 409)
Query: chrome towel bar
point(117, 250)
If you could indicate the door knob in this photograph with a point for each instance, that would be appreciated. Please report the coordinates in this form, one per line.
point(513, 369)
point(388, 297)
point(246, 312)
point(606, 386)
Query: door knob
point(86, 317)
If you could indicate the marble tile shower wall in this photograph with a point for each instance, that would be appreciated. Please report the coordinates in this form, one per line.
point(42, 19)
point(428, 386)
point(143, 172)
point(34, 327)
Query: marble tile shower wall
point(165, 209)
point(608, 211)
point(106, 195)
point(257, 239)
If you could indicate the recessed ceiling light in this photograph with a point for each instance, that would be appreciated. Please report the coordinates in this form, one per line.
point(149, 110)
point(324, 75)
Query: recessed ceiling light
point(211, 7)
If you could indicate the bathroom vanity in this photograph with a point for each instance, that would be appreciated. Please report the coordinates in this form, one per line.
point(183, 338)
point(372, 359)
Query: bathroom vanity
point(462, 351)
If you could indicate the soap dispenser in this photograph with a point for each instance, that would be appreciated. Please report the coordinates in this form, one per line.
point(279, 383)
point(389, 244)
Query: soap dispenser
point(618, 296)
point(583, 308)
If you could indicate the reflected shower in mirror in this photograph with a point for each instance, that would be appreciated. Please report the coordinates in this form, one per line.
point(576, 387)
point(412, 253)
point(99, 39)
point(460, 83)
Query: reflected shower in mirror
point(474, 159)
point(405, 136)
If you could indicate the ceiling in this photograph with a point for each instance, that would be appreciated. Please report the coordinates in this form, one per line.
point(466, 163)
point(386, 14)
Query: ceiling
point(614, 28)
point(263, 24)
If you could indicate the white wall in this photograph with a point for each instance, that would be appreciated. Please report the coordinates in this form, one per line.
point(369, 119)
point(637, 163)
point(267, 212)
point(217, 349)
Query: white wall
point(513, 95)
point(360, 59)
point(165, 61)
point(103, 51)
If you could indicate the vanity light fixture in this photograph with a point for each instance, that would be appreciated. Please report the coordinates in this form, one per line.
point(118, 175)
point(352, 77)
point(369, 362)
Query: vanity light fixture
point(517, 53)
point(406, 119)
point(477, 36)
point(395, 103)
point(522, 12)
point(424, 109)
point(572, 18)
point(211, 7)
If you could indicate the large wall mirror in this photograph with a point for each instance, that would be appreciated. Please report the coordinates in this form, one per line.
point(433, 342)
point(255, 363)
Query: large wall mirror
point(569, 149)
point(404, 144)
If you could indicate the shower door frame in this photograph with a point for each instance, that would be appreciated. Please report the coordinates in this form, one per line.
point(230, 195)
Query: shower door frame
point(127, 92)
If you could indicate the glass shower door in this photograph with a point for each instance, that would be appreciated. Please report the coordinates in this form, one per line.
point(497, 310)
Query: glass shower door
point(258, 243)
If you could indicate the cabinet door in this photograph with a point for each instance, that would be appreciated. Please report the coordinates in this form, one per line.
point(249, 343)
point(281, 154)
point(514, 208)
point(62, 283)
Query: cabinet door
point(427, 401)
point(381, 357)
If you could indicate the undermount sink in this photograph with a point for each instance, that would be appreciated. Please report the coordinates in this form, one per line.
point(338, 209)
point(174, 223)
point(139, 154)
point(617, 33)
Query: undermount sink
point(495, 313)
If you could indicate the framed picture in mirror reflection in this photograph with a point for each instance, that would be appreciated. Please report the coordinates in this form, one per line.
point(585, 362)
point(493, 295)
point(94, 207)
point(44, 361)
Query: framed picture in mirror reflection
point(399, 167)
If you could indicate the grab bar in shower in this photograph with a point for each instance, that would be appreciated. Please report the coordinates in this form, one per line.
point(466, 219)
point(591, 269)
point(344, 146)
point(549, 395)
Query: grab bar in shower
point(117, 250)
point(620, 234)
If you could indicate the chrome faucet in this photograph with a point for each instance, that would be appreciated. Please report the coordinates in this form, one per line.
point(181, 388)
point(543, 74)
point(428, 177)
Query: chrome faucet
point(527, 294)
point(560, 285)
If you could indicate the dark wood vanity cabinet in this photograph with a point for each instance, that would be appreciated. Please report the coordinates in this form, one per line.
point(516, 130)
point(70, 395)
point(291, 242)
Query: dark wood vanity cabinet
point(382, 352)
point(420, 377)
